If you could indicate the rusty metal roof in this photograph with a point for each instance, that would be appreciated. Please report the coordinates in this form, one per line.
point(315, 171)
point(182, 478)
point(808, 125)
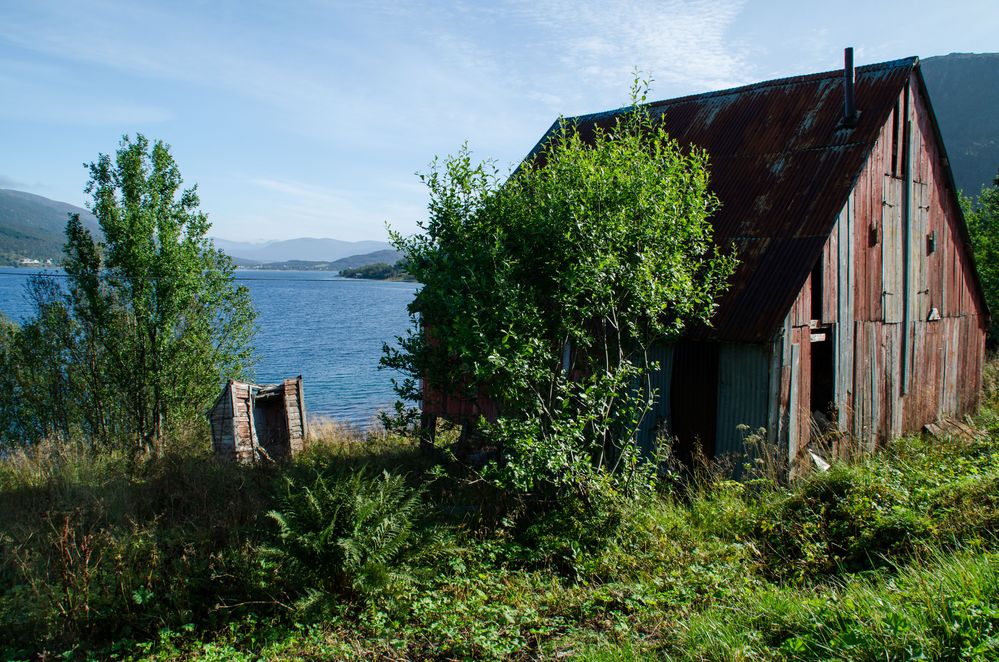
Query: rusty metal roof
point(783, 166)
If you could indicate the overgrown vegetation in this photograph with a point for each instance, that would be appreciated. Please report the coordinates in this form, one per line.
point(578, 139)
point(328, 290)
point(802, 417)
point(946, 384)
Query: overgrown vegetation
point(363, 548)
point(544, 291)
point(132, 345)
point(983, 225)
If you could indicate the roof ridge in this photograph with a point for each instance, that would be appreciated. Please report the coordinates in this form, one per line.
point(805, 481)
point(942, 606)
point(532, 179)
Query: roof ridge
point(774, 82)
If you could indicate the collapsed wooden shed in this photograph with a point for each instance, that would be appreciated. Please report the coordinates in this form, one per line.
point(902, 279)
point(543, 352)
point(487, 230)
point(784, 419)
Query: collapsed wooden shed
point(253, 422)
point(856, 303)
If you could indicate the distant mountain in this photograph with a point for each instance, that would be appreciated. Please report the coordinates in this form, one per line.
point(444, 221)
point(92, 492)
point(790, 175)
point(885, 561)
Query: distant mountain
point(306, 248)
point(34, 227)
point(964, 90)
point(351, 262)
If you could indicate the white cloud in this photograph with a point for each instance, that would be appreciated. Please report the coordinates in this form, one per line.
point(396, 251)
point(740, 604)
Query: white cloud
point(679, 41)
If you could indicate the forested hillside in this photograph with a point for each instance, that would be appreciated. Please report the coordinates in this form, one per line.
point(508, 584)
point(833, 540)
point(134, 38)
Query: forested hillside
point(32, 226)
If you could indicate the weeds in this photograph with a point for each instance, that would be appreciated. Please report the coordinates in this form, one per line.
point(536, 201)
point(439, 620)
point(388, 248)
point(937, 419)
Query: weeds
point(372, 551)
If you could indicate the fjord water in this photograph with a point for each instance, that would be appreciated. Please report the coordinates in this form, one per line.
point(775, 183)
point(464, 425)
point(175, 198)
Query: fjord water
point(326, 328)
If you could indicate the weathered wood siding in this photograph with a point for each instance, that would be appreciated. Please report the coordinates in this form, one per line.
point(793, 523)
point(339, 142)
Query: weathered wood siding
point(242, 427)
point(294, 407)
point(220, 418)
point(907, 325)
point(242, 421)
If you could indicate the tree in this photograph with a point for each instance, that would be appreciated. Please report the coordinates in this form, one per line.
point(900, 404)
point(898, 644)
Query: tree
point(543, 292)
point(983, 225)
point(153, 320)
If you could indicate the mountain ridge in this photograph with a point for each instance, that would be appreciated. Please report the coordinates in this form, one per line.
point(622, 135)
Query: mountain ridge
point(33, 226)
point(309, 249)
point(964, 88)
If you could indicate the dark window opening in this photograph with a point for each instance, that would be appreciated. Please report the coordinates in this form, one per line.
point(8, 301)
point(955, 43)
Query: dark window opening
point(822, 399)
point(817, 290)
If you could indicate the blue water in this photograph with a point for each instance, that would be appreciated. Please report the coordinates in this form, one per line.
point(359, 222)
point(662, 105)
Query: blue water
point(326, 328)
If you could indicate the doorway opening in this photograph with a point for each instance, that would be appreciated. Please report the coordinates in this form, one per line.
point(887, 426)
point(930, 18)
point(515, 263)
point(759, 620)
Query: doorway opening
point(822, 397)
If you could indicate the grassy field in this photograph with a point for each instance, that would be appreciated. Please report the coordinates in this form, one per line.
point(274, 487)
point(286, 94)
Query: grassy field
point(362, 548)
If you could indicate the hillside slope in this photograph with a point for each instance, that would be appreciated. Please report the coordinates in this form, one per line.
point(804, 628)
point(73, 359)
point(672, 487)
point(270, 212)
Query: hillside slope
point(32, 226)
point(964, 90)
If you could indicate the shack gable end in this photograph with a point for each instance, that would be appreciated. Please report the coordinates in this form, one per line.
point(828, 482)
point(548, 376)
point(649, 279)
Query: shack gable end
point(899, 331)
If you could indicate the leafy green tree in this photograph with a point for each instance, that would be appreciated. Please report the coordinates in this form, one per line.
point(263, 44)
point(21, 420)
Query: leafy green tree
point(151, 320)
point(544, 291)
point(983, 225)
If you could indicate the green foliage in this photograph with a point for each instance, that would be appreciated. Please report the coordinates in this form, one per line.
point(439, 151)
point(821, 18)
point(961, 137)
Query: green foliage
point(543, 292)
point(378, 271)
point(351, 538)
point(149, 324)
point(889, 556)
point(983, 225)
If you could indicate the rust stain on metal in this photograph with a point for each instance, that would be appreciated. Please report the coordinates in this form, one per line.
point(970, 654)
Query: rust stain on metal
point(856, 305)
point(782, 167)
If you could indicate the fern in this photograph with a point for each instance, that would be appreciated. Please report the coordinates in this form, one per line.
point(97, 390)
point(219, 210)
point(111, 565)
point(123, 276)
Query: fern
point(354, 538)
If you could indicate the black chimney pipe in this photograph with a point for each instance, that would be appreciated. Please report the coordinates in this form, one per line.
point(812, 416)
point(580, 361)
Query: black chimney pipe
point(849, 108)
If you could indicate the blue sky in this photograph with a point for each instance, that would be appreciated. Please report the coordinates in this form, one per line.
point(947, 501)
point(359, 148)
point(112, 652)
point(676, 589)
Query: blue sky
point(311, 118)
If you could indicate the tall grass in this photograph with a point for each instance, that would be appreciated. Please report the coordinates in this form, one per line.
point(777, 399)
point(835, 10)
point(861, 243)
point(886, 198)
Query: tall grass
point(890, 555)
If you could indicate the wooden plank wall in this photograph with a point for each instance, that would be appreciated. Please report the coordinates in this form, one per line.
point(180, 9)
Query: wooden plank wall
point(242, 421)
point(220, 420)
point(294, 407)
point(897, 367)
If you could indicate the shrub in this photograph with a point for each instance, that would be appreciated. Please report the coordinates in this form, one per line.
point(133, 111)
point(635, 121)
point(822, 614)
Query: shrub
point(353, 538)
point(544, 292)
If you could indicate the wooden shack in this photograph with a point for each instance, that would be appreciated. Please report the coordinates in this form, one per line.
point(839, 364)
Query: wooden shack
point(254, 422)
point(856, 304)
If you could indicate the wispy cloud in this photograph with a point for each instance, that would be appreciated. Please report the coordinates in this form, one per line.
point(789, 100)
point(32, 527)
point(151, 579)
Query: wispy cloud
point(10, 182)
point(364, 93)
point(323, 212)
point(681, 42)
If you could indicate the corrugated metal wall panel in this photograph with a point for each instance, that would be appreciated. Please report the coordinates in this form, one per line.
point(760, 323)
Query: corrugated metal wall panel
point(657, 420)
point(743, 392)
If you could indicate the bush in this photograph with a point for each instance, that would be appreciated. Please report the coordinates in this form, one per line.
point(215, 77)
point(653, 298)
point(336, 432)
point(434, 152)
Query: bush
point(544, 292)
point(352, 539)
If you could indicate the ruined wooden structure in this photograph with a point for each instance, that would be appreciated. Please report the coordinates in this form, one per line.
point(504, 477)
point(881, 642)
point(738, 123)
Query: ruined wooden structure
point(856, 302)
point(259, 422)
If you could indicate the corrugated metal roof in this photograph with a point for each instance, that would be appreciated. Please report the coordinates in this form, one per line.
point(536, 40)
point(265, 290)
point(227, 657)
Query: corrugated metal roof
point(783, 167)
